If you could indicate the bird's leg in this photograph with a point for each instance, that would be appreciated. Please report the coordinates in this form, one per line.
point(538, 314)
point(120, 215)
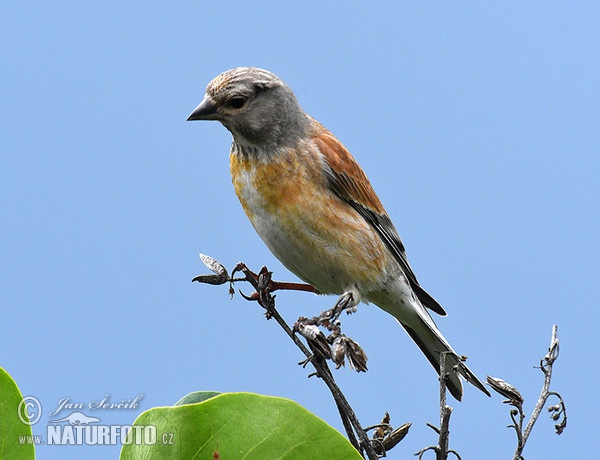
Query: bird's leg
point(348, 301)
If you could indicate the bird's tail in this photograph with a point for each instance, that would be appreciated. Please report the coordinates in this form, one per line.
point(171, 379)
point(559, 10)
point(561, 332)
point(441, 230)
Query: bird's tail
point(432, 343)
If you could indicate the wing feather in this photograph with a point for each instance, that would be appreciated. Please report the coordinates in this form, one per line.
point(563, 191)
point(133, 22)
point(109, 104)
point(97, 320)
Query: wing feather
point(350, 183)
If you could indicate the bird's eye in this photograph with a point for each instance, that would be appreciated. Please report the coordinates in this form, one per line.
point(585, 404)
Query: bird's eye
point(236, 102)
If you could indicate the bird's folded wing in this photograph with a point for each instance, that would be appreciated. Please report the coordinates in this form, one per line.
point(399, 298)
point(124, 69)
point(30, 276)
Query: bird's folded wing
point(350, 183)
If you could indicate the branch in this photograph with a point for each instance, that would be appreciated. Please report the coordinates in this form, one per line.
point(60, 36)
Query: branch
point(558, 411)
point(336, 347)
point(441, 450)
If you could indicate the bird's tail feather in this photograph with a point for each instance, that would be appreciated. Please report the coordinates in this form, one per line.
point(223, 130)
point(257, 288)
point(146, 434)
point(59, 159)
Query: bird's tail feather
point(432, 344)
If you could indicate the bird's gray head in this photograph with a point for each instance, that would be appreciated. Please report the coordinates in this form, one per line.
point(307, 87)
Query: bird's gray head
point(256, 106)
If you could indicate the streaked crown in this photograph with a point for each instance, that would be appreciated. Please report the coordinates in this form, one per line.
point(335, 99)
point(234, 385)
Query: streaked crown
point(240, 77)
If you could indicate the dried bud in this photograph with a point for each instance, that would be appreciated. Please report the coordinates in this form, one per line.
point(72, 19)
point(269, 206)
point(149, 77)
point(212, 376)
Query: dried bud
point(316, 339)
point(338, 351)
point(390, 441)
point(264, 278)
point(220, 277)
point(506, 390)
point(357, 358)
point(308, 331)
point(396, 436)
point(384, 427)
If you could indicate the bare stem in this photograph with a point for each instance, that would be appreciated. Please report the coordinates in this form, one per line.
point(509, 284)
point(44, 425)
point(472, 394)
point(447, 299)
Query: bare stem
point(445, 412)
point(546, 367)
point(349, 419)
point(336, 347)
point(441, 450)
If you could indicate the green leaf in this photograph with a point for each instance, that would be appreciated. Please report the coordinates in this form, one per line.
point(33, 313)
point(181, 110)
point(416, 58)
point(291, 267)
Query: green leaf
point(197, 397)
point(236, 425)
point(14, 434)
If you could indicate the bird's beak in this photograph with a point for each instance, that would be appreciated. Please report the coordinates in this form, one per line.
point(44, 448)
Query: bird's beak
point(207, 110)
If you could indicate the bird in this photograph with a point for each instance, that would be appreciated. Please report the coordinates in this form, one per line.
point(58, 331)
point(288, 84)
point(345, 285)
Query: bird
point(315, 209)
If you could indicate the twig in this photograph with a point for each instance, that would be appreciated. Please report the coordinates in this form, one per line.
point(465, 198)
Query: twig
point(546, 367)
point(263, 286)
point(441, 450)
point(445, 412)
point(559, 411)
point(267, 301)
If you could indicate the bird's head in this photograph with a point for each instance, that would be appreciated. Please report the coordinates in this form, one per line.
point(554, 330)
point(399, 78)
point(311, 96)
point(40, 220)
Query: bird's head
point(256, 106)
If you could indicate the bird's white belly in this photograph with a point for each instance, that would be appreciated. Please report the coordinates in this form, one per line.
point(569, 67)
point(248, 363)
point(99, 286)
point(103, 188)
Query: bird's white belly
point(301, 232)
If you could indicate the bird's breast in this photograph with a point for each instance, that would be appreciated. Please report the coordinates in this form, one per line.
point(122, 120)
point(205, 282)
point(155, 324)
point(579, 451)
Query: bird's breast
point(317, 236)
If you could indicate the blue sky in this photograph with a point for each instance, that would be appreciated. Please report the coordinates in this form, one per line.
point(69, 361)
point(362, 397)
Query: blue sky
point(477, 125)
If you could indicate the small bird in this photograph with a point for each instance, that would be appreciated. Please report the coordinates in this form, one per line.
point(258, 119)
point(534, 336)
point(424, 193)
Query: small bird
point(315, 209)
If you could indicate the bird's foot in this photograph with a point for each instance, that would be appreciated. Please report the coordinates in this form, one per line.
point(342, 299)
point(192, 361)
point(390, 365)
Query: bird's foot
point(347, 302)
